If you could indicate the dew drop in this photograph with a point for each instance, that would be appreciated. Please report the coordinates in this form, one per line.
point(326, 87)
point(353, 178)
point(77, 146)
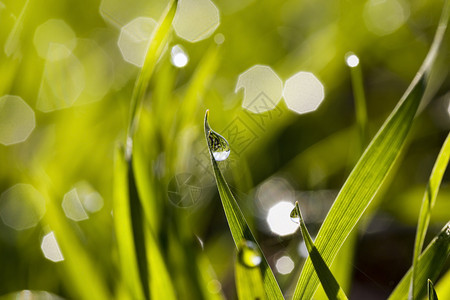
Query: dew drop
point(249, 254)
point(295, 214)
point(217, 144)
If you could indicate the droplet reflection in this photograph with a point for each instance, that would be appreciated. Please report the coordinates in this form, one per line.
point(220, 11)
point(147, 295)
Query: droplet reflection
point(217, 144)
point(352, 60)
point(178, 56)
point(249, 254)
point(295, 215)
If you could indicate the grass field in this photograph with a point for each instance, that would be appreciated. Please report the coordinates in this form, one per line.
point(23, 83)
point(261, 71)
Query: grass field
point(172, 149)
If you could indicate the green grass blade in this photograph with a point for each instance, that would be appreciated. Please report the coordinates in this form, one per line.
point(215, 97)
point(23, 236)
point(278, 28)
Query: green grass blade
point(157, 43)
point(124, 228)
point(329, 283)
point(431, 292)
point(428, 203)
point(369, 173)
point(429, 265)
point(238, 226)
point(161, 286)
point(443, 286)
point(360, 103)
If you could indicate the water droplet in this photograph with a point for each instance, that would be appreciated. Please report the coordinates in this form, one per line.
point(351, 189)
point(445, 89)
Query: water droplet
point(249, 254)
point(295, 214)
point(218, 144)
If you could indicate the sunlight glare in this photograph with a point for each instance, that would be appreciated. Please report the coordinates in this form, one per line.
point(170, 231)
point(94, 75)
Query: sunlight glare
point(352, 60)
point(72, 206)
point(178, 56)
point(278, 219)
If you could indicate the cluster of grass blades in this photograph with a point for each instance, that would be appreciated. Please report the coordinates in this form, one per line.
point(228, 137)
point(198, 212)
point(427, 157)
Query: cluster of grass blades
point(355, 196)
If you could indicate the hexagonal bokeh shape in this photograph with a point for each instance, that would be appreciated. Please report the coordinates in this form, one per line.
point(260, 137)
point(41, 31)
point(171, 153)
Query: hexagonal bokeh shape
point(134, 39)
point(62, 83)
point(54, 31)
point(196, 20)
point(303, 92)
point(50, 248)
point(72, 206)
point(262, 88)
point(17, 120)
point(21, 206)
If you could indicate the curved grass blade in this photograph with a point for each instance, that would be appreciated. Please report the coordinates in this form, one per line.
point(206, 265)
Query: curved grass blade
point(431, 292)
point(369, 173)
point(429, 265)
point(428, 203)
point(238, 226)
point(329, 283)
point(249, 283)
point(157, 42)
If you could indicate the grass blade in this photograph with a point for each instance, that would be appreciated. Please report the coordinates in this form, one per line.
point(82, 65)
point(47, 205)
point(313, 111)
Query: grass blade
point(431, 292)
point(329, 283)
point(249, 283)
point(428, 203)
point(360, 101)
point(238, 226)
point(124, 228)
point(429, 265)
point(157, 42)
point(369, 173)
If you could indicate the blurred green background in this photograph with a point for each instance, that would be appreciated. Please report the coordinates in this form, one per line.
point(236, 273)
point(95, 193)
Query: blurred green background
point(64, 59)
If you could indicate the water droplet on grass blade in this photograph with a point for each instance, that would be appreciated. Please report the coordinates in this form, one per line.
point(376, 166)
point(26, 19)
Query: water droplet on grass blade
point(218, 145)
point(295, 214)
point(249, 254)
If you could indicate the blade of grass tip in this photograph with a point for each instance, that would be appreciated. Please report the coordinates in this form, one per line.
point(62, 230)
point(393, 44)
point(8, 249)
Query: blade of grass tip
point(156, 46)
point(429, 266)
point(236, 221)
point(369, 173)
point(428, 202)
point(12, 42)
point(329, 283)
point(124, 228)
point(431, 292)
point(249, 283)
point(360, 99)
